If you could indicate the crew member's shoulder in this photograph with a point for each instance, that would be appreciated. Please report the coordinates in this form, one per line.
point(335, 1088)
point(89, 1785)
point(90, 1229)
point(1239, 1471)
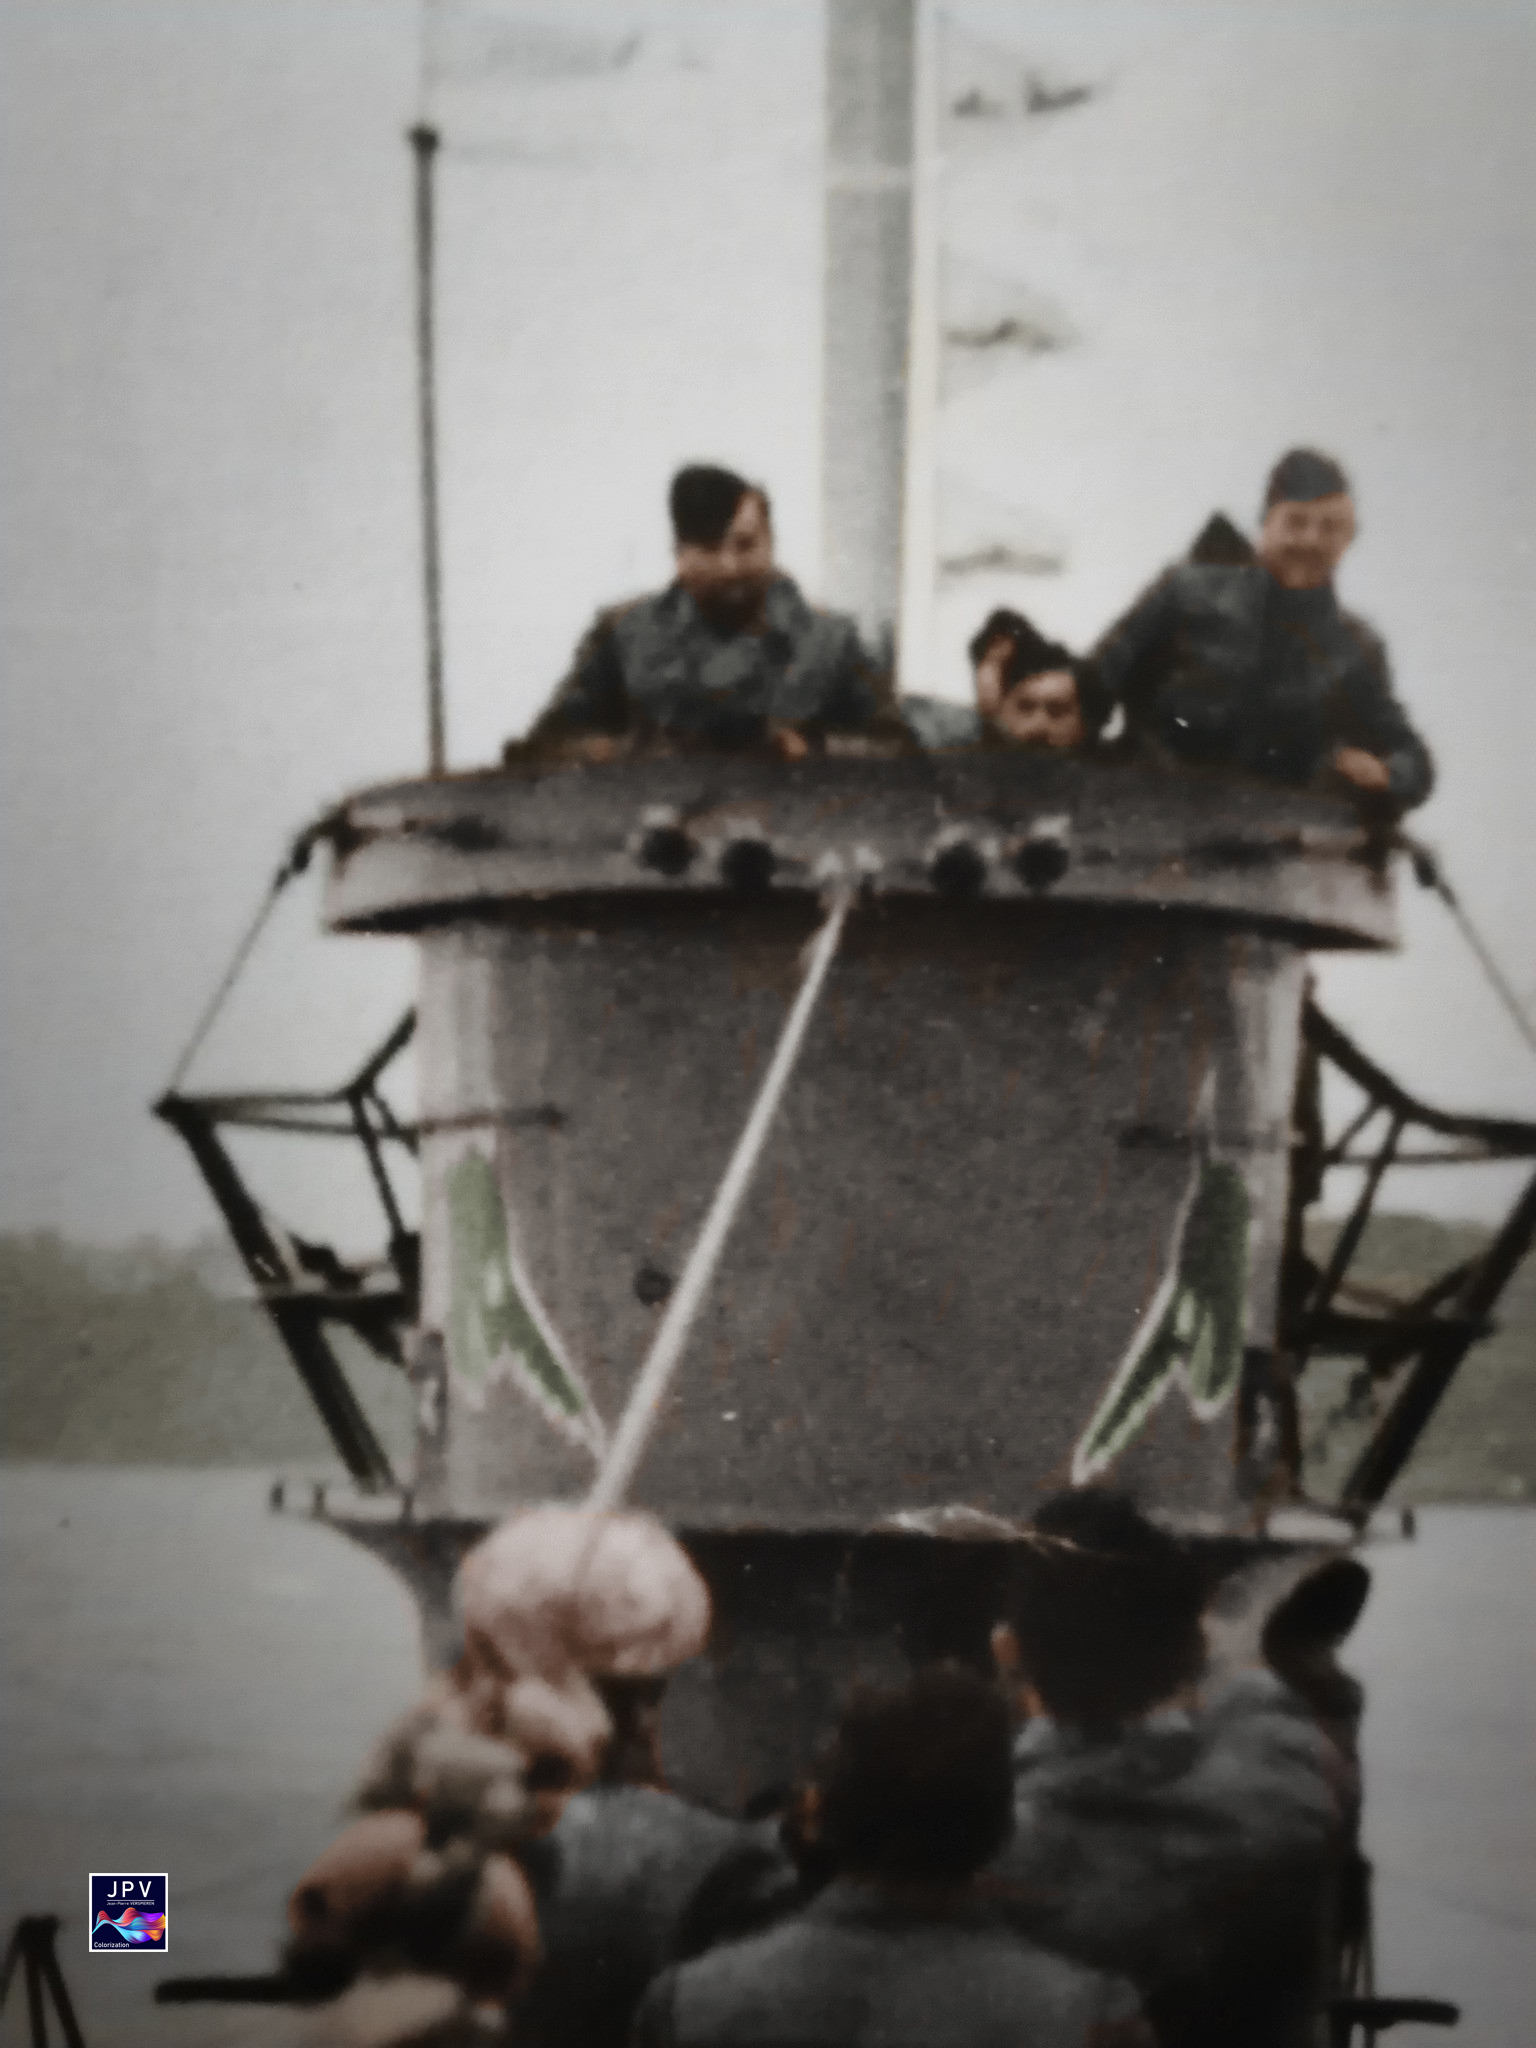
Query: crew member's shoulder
point(1215, 582)
point(1372, 647)
point(646, 605)
point(739, 1971)
point(1257, 1727)
point(647, 1821)
point(938, 723)
point(1255, 1698)
point(791, 611)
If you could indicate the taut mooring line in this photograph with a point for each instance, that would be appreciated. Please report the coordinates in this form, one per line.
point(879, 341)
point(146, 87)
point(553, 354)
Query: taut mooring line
point(638, 1421)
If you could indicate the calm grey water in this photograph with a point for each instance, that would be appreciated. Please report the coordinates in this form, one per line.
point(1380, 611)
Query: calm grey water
point(189, 1684)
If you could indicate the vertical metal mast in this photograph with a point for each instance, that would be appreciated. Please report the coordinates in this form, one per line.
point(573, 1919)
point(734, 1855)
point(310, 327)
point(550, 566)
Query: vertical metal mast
point(424, 141)
point(871, 64)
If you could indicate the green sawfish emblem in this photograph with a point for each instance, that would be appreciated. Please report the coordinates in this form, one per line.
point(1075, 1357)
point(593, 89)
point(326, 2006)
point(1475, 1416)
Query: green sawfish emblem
point(498, 1328)
point(1192, 1332)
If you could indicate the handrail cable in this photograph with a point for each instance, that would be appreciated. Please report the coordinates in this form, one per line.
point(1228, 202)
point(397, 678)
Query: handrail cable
point(1429, 872)
point(295, 864)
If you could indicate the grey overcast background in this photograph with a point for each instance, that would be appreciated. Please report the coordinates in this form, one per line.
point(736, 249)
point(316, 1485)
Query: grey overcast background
point(1269, 223)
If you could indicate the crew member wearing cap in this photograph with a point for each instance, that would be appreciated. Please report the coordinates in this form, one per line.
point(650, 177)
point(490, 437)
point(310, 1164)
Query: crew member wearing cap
point(728, 655)
point(1254, 665)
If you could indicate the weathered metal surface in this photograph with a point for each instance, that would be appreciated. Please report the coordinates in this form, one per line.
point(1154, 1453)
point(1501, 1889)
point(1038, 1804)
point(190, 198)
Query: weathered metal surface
point(1283, 861)
point(969, 1202)
point(1018, 1218)
point(958, 1276)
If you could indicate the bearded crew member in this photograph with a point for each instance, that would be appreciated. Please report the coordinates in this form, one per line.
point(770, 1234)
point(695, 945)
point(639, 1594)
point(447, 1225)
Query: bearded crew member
point(728, 655)
point(1254, 665)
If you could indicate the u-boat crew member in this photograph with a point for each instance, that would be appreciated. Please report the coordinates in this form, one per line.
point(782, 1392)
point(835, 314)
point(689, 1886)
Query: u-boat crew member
point(1181, 1826)
point(1255, 666)
point(729, 655)
point(1026, 694)
point(902, 1948)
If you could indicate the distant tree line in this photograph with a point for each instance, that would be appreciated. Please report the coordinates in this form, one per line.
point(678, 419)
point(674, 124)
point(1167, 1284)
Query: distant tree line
point(155, 1355)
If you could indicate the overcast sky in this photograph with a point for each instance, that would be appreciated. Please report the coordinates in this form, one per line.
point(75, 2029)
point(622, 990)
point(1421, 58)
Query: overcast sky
point(1267, 224)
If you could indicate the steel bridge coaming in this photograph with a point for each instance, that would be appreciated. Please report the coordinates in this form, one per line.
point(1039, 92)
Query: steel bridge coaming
point(409, 854)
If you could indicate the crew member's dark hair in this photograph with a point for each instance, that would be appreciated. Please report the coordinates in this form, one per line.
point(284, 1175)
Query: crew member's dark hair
point(919, 1782)
point(1107, 1609)
point(1030, 652)
point(1301, 475)
point(703, 502)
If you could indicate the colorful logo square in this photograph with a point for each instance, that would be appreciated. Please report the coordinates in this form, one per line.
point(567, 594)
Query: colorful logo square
point(129, 1913)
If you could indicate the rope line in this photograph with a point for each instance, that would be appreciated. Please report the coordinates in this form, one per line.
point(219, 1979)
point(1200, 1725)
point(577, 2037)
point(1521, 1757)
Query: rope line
point(232, 973)
point(1497, 979)
point(296, 863)
point(643, 1408)
point(1430, 874)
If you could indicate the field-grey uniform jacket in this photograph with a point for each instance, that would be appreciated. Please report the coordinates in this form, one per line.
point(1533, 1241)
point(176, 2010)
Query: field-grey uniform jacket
point(1196, 1852)
point(1218, 663)
point(637, 1878)
point(660, 662)
point(856, 1970)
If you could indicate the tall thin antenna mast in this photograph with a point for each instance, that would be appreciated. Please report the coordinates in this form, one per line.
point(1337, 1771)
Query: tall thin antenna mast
point(424, 141)
point(871, 52)
point(915, 635)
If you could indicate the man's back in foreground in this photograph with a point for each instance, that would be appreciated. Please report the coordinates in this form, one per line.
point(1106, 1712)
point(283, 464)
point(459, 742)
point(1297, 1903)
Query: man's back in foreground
point(1193, 1843)
point(860, 1969)
point(635, 1865)
point(899, 1951)
point(1195, 1850)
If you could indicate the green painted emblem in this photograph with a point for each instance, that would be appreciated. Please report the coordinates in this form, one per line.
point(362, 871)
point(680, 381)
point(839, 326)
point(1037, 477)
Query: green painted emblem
point(1192, 1332)
point(498, 1328)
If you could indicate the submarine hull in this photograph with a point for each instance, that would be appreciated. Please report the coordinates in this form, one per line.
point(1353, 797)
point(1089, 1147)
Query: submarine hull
point(1017, 1223)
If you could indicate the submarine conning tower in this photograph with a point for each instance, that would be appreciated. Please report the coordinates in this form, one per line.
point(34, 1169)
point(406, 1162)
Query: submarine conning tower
point(1017, 1223)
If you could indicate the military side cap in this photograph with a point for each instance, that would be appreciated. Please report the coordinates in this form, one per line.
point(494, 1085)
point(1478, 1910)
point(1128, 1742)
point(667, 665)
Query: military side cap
point(1302, 475)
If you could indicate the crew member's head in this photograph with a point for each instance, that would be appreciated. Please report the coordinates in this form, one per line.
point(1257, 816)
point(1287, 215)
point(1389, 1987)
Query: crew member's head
point(722, 528)
point(993, 649)
point(1025, 685)
point(1042, 711)
point(1107, 1612)
point(1309, 519)
point(918, 1786)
